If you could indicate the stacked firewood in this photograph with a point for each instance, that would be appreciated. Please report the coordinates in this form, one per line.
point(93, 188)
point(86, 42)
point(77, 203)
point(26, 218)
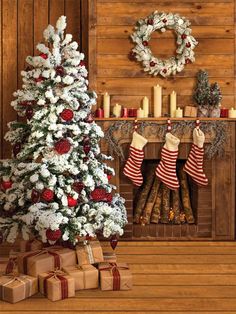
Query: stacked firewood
point(156, 203)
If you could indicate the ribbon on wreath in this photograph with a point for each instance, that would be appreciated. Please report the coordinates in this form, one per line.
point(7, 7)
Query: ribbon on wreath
point(27, 284)
point(50, 251)
point(58, 275)
point(114, 270)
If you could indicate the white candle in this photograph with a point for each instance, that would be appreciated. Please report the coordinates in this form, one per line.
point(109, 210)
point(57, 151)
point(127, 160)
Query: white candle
point(106, 105)
point(179, 113)
point(140, 113)
point(146, 106)
point(117, 110)
point(157, 101)
point(232, 113)
point(172, 104)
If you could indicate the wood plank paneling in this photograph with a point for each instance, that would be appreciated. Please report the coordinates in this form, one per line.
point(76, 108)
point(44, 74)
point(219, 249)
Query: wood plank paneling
point(56, 9)
point(41, 20)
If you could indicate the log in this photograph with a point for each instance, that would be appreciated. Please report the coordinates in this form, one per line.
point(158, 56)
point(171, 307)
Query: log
point(176, 206)
point(165, 205)
point(185, 196)
point(151, 201)
point(156, 211)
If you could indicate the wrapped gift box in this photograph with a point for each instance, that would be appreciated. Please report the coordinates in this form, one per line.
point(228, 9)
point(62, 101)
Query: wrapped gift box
point(30, 245)
point(190, 111)
point(16, 288)
point(86, 276)
point(115, 276)
point(34, 263)
point(56, 285)
point(89, 253)
point(109, 257)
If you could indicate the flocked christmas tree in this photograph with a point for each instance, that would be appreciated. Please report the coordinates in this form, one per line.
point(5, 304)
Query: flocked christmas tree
point(57, 184)
point(202, 92)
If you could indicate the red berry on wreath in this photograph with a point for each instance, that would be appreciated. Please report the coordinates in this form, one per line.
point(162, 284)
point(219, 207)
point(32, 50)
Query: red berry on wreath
point(150, 21)
point(85, 159)
point(6, 185)
point(67, 114)
point(87, 148)
point(145, 43)
point(71, 201)
point(109, 176)
point(164, 71)
point(44, 56)
point(89, 118)
point(47, 195)
point(188, 45)
point(53, 235)
point(82, 63)
point(164, 20)
point(187, 61)
point(59, 70)
point(39, 79)
point(152, 64)
point(62, 146)
point(35, 196)
point(16, 149)
point(29, 112)
point(183, 36)
point(78, 186)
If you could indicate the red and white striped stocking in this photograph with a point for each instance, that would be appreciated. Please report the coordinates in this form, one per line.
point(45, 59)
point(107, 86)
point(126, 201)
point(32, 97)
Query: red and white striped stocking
point(166, 170)
point(194, 163)
point(133, 165)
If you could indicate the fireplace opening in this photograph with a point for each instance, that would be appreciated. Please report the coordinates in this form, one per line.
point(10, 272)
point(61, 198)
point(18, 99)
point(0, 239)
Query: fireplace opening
point(155, 203)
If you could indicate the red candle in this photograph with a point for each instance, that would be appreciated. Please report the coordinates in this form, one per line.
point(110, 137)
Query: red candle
point(132, 112)
point(99, 113)
point(224, 113)
point(125, 112)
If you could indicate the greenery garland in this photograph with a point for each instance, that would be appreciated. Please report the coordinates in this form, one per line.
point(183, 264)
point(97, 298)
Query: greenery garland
point(160, 21)
point(216, 129)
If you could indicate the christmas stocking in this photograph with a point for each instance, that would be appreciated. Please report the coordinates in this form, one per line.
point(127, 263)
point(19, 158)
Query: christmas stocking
point(194, 163)
point(166, 170)
point(132, 167)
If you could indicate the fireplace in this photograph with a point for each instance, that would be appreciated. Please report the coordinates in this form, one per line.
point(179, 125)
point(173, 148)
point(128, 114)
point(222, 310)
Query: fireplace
point(213, 206)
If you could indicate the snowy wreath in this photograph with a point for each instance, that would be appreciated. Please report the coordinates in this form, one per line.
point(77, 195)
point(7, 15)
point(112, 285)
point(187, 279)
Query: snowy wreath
point(160, 21)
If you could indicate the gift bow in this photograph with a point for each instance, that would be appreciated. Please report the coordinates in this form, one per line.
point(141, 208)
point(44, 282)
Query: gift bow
point(27, 283)
point(59, 275)
point(114, 270)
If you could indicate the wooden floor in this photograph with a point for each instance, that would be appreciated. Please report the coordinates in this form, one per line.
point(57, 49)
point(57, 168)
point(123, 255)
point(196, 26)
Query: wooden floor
point(169, 277)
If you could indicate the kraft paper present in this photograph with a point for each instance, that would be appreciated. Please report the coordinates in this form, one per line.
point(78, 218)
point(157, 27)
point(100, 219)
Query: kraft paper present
point(86, 276)
point(56, 285)
point(190, 111)
point(115, 276)
point(109, 257)
point(16, 288)
point(30, 245)
point(89, 253)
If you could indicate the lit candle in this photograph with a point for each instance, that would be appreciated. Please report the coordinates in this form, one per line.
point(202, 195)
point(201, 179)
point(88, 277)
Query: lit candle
point(146, 107)
point(140, 113)
point(232, 113)
point(172, 104)
point(157, 101)
point(179, 113)
point(117, 110)
point(106, 105)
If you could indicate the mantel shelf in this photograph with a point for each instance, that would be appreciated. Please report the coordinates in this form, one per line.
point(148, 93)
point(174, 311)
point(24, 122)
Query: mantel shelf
point(164, 119)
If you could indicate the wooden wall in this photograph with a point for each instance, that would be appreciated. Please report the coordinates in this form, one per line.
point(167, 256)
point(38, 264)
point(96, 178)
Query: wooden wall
point(22, 23)
point(112, 22)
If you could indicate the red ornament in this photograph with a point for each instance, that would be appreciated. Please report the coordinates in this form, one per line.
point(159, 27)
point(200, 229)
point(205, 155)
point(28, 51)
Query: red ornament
point(16, 149)
point(164, 71)
point(113, 242)
point(188, 45)
point(6, 185)
point(39, 79)
point(164, 20)
point(71, 201)
point(60, 70)
point(53, 235)
point(145, 43)
point(43, 55)
point(67, 114)
point(152, 64)
point(150, 21)
point(29, 112)
point(35, 196)
point(98, 194)
point(183, 36)
point(87, 148)
point(82, 63)
point(132, 56)
point(187, 61)
point(78, 186)
point(62, 146)
point(47, 195)
point(89, 118)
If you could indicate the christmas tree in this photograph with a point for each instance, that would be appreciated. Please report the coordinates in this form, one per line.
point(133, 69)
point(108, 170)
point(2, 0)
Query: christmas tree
point(215, 95)
point(56, 186)
point(202, 91)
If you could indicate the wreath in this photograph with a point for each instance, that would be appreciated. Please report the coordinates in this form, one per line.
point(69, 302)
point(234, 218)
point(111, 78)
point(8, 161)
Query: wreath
point(160, 21)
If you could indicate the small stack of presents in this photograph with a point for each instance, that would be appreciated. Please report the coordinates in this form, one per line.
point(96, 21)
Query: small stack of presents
point(57, 272)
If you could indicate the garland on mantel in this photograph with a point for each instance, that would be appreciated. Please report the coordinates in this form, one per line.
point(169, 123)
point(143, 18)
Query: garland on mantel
point(216, 129)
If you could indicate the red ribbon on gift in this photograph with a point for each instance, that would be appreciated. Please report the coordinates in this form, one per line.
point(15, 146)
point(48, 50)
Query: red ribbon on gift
point(114, 268)
point(57, 261)
point(64, 283)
